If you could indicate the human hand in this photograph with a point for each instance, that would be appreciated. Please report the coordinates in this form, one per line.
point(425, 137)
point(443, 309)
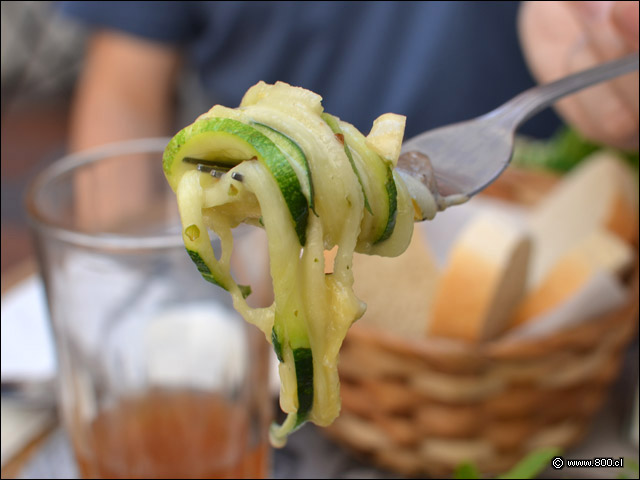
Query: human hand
point(560, 38)
point(126, 90)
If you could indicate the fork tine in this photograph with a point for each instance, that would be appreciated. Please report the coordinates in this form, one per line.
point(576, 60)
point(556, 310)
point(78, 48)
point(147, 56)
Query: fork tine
point(210, 170)
point(216, 171)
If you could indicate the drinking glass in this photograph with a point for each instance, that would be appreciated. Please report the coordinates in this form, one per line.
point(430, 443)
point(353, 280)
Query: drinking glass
point(158, 376)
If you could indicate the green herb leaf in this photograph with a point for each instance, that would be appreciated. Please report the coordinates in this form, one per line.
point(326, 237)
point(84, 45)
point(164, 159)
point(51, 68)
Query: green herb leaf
point(466, 470)
point(245, 290)
point(561, 152)
point(631, 464)
point(531, 465)
point(193, 232)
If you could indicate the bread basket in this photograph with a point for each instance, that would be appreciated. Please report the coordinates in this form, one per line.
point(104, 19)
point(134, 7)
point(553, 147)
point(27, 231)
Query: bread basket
point(425, 406)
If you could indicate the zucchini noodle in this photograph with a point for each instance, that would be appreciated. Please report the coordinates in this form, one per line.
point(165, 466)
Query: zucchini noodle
point(312, 182)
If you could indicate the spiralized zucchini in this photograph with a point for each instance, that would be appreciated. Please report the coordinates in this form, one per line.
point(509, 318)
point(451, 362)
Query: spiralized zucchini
point(312, 182)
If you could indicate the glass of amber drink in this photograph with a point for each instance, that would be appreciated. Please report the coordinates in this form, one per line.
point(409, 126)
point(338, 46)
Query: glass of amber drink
point(158, 376)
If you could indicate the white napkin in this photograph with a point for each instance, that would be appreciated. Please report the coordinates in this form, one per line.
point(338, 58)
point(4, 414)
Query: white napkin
point(27, 341)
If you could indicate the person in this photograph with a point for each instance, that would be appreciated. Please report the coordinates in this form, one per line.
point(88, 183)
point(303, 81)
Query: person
point(559, 38)
point(435, 62)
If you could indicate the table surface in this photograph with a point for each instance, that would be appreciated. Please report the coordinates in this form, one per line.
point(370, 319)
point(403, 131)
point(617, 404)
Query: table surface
point(313, 455)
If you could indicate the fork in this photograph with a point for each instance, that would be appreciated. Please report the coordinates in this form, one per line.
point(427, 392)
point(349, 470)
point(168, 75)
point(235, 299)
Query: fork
point(457, 161)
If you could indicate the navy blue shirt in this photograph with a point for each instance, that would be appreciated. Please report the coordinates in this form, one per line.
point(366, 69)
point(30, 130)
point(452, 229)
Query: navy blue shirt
point(435, 62)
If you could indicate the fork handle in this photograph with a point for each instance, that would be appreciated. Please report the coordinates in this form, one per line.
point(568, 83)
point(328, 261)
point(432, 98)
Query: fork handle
point(525, 105)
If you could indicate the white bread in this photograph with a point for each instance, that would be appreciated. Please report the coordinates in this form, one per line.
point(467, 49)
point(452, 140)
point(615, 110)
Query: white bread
point(601, 251)
point(398, 291)
point(601, 192)
point(483, 281)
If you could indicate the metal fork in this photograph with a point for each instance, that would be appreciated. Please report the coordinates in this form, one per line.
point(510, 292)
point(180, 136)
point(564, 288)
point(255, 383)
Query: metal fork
point(459, 160)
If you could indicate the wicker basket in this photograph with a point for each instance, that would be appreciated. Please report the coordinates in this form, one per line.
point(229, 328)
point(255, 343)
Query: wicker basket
point(425, 406)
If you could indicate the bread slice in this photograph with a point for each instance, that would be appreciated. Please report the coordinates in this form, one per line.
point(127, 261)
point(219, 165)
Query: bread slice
point(601, 251)
point(398, 291)
point(602, 192)
point(483, 281)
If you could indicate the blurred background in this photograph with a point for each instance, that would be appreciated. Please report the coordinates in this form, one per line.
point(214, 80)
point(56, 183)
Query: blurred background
point(41, 58)
point(43, 52)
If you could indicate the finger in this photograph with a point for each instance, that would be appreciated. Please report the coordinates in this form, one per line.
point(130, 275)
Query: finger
point(606, 43)
point(625, 19)
point(603, 36)
point(555, 45)
point(547, 49)
point(548, 31)
point(600, 112)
